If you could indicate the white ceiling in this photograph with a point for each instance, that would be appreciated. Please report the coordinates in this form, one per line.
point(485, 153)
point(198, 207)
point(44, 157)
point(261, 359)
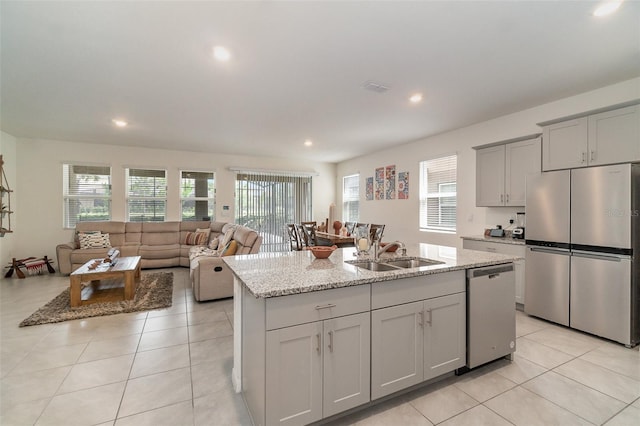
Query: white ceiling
point(68, 68)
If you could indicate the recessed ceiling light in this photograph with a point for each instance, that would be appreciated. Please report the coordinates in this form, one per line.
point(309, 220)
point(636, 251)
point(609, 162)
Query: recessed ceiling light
point(415, 98)
point(308, 142)
point(607, 8)
point(221, 53)
point(119, 123)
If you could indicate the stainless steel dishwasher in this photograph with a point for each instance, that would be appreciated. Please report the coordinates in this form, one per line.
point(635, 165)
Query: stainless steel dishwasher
point(491, 314)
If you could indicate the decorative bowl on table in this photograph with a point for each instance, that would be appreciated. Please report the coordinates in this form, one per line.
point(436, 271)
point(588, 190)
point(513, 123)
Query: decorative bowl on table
point(321, 252)
point(390, 250)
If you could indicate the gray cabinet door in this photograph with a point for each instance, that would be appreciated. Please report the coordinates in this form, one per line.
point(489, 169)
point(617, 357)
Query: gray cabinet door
point(564, 145)
point(523, 161)
point(445, 334)
point(490, 176)
point(614, 136)
point(346, 363)
point(294, 375)
point(397, 337)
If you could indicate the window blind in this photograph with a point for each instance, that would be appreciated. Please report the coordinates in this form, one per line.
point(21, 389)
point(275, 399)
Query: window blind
point(438, 194)
point(197, 195)
point(146, 195)
point(267, 202)
point(351, 198)
point(86, 194)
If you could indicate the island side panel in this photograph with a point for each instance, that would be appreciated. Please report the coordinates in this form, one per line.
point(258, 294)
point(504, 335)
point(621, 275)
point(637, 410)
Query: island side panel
point(253, 355)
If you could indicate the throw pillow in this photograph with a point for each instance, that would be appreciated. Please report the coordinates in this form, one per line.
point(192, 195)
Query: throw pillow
point(224, 239)
point(196, 238)
point(230, 248)
point(92, 241)
point(77, 236)
point(204, 231)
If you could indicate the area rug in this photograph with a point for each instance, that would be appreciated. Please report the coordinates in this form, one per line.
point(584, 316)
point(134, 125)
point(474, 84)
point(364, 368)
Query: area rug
point(155, 291)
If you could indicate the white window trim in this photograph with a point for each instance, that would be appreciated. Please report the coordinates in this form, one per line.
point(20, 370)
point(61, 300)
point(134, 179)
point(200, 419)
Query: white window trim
point(424, 195)
point(129, 198)
point(67, 197)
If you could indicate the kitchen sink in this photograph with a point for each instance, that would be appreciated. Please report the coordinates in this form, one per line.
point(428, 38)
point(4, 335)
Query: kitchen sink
point(374, 266)
point(394, 265)
point(413, 263)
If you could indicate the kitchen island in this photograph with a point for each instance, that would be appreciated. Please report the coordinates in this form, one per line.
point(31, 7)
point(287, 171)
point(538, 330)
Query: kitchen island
point(317, 337)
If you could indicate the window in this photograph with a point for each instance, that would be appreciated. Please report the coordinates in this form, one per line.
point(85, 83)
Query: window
point(146, 195)
point(438, 194)
point(197, 195)
point(268, 202)
point(86, 193)
point(350, 198)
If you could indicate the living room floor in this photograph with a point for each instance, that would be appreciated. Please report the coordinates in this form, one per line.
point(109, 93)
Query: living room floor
point(173, 367)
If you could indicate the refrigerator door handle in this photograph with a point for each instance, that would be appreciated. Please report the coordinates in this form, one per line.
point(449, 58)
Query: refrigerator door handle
point(549, 250)
point(591, 255)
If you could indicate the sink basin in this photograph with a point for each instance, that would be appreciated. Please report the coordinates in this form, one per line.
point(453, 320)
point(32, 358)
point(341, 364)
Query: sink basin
point(375, 266)
point(394, 265)
point(413, 263)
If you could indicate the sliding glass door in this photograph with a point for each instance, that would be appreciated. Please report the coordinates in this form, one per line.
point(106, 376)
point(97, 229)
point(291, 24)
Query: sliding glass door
point(267, 202)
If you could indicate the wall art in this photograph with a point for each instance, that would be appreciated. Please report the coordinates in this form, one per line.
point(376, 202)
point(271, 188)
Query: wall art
point(403, 185)
point(390, 182)
point(369, 189)
point(379, 183)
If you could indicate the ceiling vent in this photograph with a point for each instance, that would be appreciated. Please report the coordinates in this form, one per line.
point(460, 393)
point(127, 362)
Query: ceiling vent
point(375, 87)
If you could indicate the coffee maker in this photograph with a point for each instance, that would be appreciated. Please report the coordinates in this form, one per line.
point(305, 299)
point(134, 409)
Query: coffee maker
point(518, 232)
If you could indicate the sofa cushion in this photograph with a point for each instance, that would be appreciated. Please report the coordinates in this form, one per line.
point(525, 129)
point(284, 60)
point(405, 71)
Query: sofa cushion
point(116, 230)
point(160, 233)
point(163, 251)
point(133, 232)
point(79, 257)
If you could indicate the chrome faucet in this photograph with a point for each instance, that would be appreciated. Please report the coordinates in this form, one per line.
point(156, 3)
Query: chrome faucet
point(377, 251)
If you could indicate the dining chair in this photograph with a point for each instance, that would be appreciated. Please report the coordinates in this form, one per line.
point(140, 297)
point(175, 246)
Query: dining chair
point(309, 230)
point(350, 226)
point(294, 238)
point(376, 232)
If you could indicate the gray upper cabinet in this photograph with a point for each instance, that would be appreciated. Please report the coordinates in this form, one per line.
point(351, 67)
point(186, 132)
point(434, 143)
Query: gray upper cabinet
point(502, 170)
point(592, 139)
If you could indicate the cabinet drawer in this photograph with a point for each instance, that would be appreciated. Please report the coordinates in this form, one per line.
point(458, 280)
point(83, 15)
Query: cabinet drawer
point(510, 249)
point(406, 290)
point(285, 311)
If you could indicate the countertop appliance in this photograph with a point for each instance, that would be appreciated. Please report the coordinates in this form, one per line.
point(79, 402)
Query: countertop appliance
point(582, 237)
point(518, 232)
point(491, 319)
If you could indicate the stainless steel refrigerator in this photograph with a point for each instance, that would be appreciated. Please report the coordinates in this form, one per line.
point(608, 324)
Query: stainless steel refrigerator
point(581, 247)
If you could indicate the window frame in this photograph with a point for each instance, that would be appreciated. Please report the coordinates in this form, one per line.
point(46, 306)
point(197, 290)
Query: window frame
point(67, 196)
point(161, 198)
point(425, 219)
point(347, 199)
point(211, 200)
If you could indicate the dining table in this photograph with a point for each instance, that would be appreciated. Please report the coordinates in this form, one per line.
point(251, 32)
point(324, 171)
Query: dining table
point(333, 239)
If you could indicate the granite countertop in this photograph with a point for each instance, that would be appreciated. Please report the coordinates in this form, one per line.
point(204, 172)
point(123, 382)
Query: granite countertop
point(279, 274)
point(501, 240)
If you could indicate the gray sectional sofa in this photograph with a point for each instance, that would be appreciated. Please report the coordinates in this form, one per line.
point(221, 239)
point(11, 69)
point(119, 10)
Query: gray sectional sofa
point(164, 244)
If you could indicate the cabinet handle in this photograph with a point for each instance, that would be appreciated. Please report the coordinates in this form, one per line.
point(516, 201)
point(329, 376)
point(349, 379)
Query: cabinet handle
point(318, 341)
point(593, 155)
point(507, 198)
point(429, 320)
point(330, 341)
point(502, 198)
point(327, 306)
point(421, 319)
point(584, 157)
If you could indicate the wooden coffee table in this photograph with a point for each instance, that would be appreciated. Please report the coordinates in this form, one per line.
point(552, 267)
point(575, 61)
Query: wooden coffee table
point(106, 283)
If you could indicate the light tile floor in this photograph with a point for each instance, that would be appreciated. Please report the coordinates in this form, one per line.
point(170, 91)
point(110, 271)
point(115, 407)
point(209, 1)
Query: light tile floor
point(173, 367)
